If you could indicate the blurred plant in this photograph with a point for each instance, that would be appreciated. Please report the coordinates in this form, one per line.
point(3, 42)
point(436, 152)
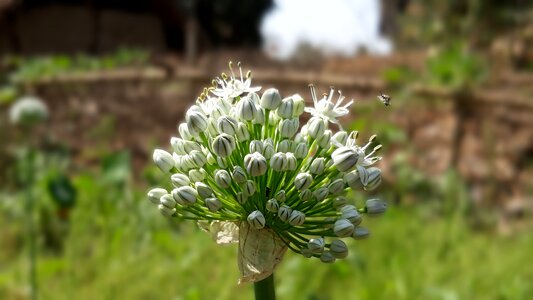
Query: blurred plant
point(455, 67)
point(26, 71)
point(245, 173)
point(27, 112)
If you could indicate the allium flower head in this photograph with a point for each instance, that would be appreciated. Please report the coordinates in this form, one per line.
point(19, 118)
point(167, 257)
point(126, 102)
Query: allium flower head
point(244, 166)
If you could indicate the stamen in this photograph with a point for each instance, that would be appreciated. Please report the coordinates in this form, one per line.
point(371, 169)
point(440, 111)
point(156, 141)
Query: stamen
point(231, 69)
point(313, 93)
point(331, 92)
point(240, 70)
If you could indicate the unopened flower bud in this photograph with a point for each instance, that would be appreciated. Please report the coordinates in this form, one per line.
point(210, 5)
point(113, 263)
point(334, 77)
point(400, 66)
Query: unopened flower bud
point(238, 175)
point(241, 198)
point(278, 162)
point(284, 146)
point(299, 105)
point(317, 167)
point(340, 138)
point(268, 151)
point(284, 212)
point(259, 117)
point(246, 109)
point(248, 188)
point(189, 146)
point(292, 162)
point(363, 174)
point(327, 257)
point(316, 245)
point(353, 216)
point(286, 108)
point(352, 180)
point(272, 205)
point(336, 187)
point(165, 211)
point(197, 175)
point(184, 132)
point(321, 193)
point(324, 140)
point(301, 151)
point(306, 253)
point(222, 179)
point(338, 249)
point(155, 194)
point(288, 127)
point(256, 146)
point(223, 145)
point(198, 158)
point(255, 163)
point(270, 99)
point(256, 219)
point(196, 120)
point(242, 133)
point(375, 207)
point(177, 145)
point(302, 181)
point(204, 190)
point(213, 204)
point(343, 228)
point(212, 127)
point(316, 127)
point(185, 195)
point(339, 202)
point(222, 162)
point(273, 118)
point(227, 125)
point(280, 196)
point(300, 138)
point(163, 160)
point(344, 158)
point(347, 208)
point(296, 218)
point(360, 233)
point(306, 195)
point(168, 201)
point(374, 178)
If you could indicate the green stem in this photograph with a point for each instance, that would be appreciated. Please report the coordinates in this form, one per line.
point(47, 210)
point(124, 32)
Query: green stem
point(31, 225)
point(264, 289)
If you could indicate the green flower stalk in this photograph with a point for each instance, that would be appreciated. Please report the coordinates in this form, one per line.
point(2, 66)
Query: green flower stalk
point(244, 166)
point(28, 112)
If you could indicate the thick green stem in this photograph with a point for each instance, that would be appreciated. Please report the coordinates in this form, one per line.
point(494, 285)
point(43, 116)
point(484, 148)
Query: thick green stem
point(264, 289)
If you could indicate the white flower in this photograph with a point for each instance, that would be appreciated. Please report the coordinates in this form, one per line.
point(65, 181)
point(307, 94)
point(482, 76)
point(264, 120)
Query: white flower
point(28, 110)
point(326, 109)
point(364, 159)
point(232, 87)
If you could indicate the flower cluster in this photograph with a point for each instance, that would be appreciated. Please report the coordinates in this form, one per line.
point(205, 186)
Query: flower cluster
point(243, 157)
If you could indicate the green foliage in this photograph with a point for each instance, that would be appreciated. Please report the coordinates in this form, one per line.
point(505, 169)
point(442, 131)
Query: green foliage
point(28, 70)
point(456, 67)
point(119, 248)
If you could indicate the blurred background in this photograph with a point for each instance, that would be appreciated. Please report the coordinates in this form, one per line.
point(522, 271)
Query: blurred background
point(116, 77)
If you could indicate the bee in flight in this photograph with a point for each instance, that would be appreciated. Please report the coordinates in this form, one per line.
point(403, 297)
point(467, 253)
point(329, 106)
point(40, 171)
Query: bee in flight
point(385, 99)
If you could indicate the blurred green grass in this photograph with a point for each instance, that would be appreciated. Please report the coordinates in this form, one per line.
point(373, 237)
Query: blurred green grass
point(119, 247)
